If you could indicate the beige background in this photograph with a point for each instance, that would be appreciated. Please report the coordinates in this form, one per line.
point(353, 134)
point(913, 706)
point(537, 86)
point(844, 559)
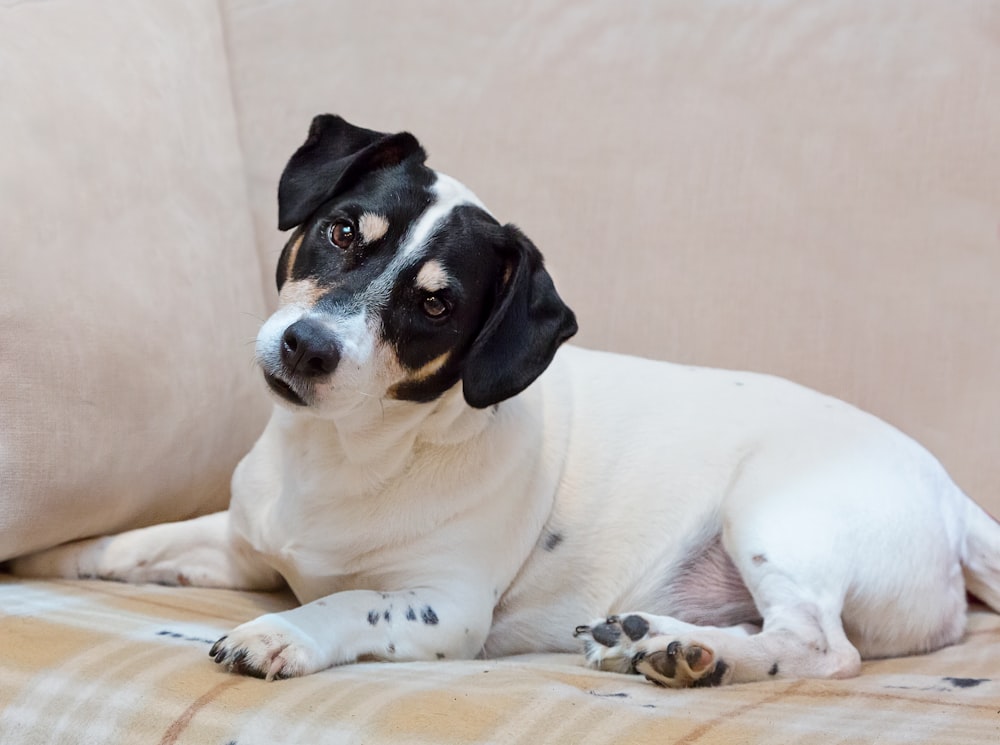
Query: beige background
point(810, 189)
point(127, 293)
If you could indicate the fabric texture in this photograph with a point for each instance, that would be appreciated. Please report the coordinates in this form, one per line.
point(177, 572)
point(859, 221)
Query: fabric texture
point(93, 662)
point(129, 289)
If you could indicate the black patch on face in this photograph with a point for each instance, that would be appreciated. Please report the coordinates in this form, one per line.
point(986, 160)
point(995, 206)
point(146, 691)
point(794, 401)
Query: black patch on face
point(411, 615)
point(399, 194)
point(428, 616)
point(464, 244)
point(635, 627)
point(774, 670)
point(373, 617)
point(552, 540)
point(714, 678)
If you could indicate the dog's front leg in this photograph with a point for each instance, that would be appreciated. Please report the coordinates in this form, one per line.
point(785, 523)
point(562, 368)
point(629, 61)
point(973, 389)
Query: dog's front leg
point(424, 624)
point(203, 552)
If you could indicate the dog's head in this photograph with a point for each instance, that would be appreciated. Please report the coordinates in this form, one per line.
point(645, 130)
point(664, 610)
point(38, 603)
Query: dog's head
point(398, 284)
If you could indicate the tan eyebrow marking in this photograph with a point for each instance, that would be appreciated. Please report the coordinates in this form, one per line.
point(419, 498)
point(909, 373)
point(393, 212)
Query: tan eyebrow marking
point(302, 292)
point(432, 277)
point(372, 226)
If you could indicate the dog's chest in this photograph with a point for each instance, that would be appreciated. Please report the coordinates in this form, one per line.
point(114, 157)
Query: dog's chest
point(328, 524)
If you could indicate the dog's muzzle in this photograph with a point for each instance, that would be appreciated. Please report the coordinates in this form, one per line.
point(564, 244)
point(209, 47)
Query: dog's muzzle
point(308, 351)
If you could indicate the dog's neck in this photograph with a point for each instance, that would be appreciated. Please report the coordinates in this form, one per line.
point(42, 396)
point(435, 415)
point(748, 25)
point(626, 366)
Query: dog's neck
point(380, 434)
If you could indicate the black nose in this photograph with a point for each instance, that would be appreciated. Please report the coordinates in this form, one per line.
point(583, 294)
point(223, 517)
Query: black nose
point(309, 349)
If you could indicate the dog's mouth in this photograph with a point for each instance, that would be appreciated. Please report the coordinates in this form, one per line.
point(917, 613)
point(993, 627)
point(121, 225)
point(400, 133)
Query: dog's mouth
point(282, 389)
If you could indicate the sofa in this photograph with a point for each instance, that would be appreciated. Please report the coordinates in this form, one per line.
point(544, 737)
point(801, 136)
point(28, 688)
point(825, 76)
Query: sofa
point(805, 189)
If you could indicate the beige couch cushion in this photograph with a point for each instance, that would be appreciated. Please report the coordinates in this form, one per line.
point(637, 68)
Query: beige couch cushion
point(95, 663)
point(129, 287)
point(810, 189)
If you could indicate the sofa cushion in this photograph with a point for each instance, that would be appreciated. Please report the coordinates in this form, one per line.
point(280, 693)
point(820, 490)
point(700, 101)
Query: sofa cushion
point(97, 662)
point(129, 286)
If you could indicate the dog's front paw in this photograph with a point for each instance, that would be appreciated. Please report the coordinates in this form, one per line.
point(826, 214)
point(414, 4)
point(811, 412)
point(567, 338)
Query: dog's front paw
point(268, 647)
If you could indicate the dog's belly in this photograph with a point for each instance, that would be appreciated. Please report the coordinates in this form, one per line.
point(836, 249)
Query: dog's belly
point(661, 456)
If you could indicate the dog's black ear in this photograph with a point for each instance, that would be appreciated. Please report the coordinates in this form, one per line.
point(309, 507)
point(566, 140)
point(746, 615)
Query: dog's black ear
point(522, 333)
point(333, 156)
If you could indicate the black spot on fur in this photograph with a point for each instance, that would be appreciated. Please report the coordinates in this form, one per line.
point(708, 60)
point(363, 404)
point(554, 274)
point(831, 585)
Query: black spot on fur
point(428, 616)
point(373, 617)
point(607, 634)
point(714, 678)
point(966, 682)
point(552, 540)
point(635, 627)
point(773, 670)
point(440, 655)
point(387, 616)
point(411, 615)
point(176, 635)
point(392, 648)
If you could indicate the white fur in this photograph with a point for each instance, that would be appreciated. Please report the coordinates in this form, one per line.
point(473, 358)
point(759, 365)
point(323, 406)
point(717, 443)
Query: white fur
point(415, 531)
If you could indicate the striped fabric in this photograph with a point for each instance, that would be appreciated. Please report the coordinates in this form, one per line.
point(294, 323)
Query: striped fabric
point(103, 663)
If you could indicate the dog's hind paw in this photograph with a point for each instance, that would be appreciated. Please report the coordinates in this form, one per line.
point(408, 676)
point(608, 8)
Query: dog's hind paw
point(629, 644)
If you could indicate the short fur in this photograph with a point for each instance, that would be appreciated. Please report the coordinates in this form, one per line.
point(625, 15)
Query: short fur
point(436, 482)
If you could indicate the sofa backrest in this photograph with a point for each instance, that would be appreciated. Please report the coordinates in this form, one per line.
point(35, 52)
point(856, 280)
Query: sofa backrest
point(129, 286)
point(808, 189)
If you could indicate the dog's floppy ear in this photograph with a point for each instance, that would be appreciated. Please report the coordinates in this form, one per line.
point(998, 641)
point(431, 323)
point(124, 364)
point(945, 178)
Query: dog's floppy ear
point(331, 158)
point(522, 333)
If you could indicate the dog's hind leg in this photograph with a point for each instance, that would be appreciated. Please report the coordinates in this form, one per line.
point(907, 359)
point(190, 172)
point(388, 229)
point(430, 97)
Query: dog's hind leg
point(802, 642)
point(202, 552)
point(800, 639)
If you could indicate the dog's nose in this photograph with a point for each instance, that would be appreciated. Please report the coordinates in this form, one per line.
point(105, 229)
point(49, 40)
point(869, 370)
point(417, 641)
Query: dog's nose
point(309, 349)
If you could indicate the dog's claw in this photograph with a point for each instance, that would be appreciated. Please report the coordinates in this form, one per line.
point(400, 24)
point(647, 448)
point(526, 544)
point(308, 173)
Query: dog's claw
point(216, 649)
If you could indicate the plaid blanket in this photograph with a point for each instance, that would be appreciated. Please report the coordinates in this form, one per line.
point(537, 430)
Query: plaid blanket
point(96, 663)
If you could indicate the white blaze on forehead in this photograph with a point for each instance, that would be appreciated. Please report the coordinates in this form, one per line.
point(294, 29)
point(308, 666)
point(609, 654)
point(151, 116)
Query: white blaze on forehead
point(372, 226)
point(448, 194)
point(432, 277)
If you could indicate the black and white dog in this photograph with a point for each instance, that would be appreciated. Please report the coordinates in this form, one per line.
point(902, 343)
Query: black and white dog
point(436, 481)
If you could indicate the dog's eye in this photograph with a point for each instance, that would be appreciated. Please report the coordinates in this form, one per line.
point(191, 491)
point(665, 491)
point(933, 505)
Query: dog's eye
point(341, 234)
point(435, 307)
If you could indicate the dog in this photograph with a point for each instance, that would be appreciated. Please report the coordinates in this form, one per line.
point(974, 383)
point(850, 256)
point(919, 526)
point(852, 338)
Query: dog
point(442, 477)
